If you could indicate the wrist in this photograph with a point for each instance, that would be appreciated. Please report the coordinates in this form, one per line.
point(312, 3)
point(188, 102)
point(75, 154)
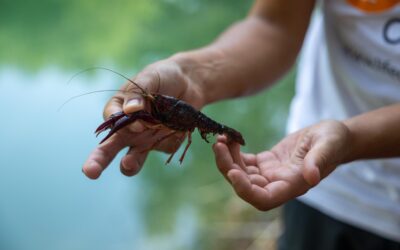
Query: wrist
point(200, 68)
point(352, 152)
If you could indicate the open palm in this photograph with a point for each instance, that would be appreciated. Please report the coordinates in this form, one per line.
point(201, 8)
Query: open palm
point(297, 163)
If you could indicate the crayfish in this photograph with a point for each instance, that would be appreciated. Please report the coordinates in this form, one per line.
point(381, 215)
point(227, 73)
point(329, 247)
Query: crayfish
point(172, 113)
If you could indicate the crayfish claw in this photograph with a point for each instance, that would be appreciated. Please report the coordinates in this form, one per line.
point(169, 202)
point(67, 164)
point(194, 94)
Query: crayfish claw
point(120, 123)
point(120, 120)
point(109, 123)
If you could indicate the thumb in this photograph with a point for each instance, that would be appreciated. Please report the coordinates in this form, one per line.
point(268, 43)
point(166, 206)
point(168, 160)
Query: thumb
point(314, 164)
point(132, 104)
point(147, 81)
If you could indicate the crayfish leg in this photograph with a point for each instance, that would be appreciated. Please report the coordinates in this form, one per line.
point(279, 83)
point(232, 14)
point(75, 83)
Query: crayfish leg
point(173, 153)
point(170, 158)
point(186, 148)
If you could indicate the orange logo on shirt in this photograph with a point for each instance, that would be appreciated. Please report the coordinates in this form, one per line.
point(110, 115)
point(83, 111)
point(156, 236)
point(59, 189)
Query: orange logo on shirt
point(373, 5)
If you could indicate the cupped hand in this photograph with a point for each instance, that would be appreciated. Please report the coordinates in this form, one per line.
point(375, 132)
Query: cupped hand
point(296, 164)
point(165, 77)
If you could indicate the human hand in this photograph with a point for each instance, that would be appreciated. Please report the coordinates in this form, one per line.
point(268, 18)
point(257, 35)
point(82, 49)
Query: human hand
point(296, 164)
point(164, 77)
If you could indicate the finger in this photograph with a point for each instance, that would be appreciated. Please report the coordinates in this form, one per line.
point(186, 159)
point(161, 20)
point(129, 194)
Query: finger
point(101, 157)
point(222, 138)
point(136, 127)
point(140, 141)
point(113, 106)
point(249, 159)
point(240, 183)
point(265, 198)
point(133, 104)
point(258, 180)
point(252, 170)
point(234, 149)
point(134, 101)
point(314, 162)
point(223, 158)
point(253, 194)
point(170, 145)
point(132, 162)
point(276, 193)
point(266, 156)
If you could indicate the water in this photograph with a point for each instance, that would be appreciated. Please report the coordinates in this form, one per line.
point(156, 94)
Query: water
point(45, 200)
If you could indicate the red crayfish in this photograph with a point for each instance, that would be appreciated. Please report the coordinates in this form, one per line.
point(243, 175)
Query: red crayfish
point(172, 113)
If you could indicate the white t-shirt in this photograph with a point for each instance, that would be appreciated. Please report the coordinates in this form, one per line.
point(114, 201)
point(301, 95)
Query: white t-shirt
point(350, 64)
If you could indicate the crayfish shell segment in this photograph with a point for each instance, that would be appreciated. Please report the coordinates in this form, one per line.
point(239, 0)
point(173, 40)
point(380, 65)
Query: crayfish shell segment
point(235, 136)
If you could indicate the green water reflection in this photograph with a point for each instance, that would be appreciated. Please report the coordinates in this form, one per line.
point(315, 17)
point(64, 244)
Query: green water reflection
point(170, 201)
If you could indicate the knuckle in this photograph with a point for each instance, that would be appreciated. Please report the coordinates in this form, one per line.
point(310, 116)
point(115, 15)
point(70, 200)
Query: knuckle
point(130, 90)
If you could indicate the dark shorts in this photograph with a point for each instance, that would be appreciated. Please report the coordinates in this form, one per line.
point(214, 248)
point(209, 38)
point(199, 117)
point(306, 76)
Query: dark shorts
point(305, 228)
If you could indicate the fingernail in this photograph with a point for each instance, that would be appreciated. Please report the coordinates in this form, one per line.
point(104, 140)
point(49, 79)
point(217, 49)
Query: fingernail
point(133, 105)
point(133, 102)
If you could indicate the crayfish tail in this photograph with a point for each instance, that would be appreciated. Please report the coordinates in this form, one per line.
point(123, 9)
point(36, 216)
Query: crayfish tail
point(234, 135)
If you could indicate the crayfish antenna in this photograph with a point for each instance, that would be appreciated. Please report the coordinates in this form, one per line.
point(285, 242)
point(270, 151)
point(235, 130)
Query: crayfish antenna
point(115, 72)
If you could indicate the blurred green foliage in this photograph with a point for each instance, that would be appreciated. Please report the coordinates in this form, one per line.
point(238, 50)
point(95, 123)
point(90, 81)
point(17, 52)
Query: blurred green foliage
point(77, 34)
point(80, 33)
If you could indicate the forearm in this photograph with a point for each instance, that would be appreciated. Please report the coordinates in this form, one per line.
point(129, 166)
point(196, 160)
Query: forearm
point(244, 59)
point(375, 134)
point(250, 55)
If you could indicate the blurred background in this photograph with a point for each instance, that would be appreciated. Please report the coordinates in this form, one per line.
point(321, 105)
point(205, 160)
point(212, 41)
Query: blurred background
point(45, 200)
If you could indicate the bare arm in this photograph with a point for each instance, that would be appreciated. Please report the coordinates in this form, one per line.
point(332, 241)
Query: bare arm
point(251, 54)
point(375, 134)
